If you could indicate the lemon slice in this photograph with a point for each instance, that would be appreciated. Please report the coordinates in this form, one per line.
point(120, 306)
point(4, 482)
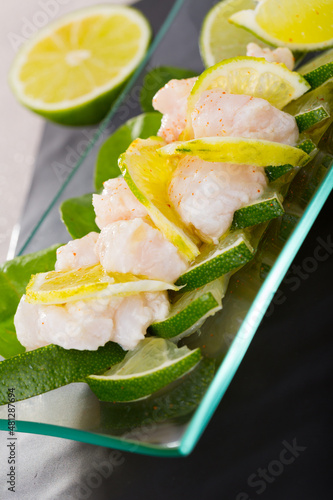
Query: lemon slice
point(220, 39)
point(57, 287)
point(251, 76)
point(153, 364)
point(301, 26)
point(238, 150)
point(72, 70)
point(148, 176)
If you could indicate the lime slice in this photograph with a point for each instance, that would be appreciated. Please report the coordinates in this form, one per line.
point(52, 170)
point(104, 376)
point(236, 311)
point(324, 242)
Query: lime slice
point(72, 70)
point(260, 211)
point(214, 261)
point(302, 26)
point(191, 310)
point(153, 364)
point(58, 287)
point(318, 70)
point(148, 176)
point(237, 150)
point(220, 39)
point(251, 76)
point(50, 367)
point(310, 118)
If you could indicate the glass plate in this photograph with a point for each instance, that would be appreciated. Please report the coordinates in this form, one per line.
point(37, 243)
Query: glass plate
point(171, 422)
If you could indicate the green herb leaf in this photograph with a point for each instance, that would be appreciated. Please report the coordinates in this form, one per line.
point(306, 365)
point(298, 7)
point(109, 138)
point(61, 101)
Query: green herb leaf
point(142, 126)
point(14, 277)
point(156, 79)
point(78, 216)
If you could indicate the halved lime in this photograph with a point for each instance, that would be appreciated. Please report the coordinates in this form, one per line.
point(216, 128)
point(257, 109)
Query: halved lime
point(238, 150)
point(265, 209)
point(191, 310)
point(214, 261)
point(220, 39)
point(153, 364)
point(58, 287)
point(71, 71)
point(148, 176)
point(50, 367)
point(302, 26)
point(251, 76)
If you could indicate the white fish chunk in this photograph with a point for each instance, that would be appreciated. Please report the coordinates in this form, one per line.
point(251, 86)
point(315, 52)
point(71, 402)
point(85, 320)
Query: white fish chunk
point(279, 55)
point(89, 324)
point(77, 253)
point(133, 246)
point(220, 114)
point(117, 202)
point(207, 194)
point(171, 100)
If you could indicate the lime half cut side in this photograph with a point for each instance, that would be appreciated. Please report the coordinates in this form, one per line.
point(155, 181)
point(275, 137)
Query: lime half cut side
point(71, 71)
point(301, 26)
point(58, 287)
point(153, 364)
point(220, 39)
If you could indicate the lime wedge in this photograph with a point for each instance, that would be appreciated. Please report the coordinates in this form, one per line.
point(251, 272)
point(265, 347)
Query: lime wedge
point(214, 261)
point(153, 364)
point(191, 310)
point(220, 39)
point(50, 367)
point(58, 287)
point(302, 26)
point(237, 150)
point(72, 70)
point(148, 175)
point(259, 211)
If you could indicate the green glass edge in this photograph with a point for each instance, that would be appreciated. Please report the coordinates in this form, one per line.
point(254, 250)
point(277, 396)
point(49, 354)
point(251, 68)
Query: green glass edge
point(239, 346)
point(90, 438)
point(161, 33)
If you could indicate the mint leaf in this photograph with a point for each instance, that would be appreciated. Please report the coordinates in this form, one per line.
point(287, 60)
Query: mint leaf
point(78, 216)
point(14, 277)
point(156, 79)
point(142, 126)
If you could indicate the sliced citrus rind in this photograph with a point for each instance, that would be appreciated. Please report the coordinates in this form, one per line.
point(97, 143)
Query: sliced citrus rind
point(319, 70)
point(58, 287)
point(303, 27)
point(233, 251)
point(71, 71)
point(47, 368)
point(191, 310)
point(237, 150)
point(148, 175)
point(220, 39)
point(257, 212)
point(153, 364)
point(310, 118)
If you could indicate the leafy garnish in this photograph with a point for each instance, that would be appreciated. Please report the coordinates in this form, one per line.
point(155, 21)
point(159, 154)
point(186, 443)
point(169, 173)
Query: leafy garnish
point(78, 216)
point(142, 126)
point(156, 79)
point(14, 277)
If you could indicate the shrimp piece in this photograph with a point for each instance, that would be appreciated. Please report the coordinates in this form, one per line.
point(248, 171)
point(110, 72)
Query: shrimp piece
point(117, 202)
point(89, 324)
point(220, 114)
point(77, 253)
point(279, 55)
point(171, 100)
point(206, 194)
point(133, 246)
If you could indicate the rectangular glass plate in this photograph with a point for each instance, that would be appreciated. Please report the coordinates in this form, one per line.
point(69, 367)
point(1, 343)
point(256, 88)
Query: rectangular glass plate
point(168, 423)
